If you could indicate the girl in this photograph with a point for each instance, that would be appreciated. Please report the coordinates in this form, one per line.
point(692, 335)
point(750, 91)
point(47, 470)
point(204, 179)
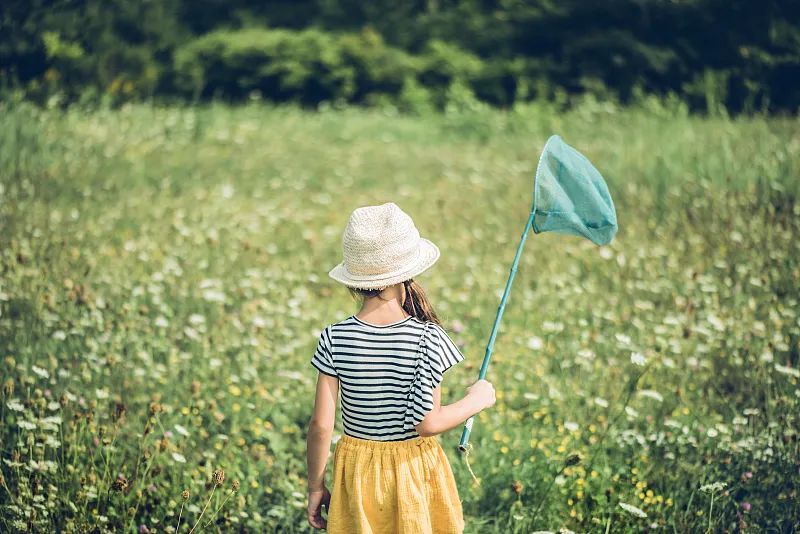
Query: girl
point(391, 475)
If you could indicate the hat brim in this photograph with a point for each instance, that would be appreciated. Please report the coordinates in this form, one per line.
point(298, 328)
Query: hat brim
point(428, 255)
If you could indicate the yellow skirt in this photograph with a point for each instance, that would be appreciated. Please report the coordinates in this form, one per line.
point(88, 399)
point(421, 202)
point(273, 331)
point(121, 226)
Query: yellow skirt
point(390, 487)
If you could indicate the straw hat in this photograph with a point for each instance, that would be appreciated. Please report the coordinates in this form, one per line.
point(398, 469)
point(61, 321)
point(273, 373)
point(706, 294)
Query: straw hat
point(382, 247)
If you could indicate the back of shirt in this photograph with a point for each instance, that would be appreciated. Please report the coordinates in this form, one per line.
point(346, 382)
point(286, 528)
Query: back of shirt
point(387, 373)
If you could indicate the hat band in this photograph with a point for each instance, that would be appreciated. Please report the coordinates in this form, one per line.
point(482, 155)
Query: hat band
point(382, 276)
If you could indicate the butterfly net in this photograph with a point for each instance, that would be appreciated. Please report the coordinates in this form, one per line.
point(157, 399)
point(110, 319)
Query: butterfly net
point(570, 195)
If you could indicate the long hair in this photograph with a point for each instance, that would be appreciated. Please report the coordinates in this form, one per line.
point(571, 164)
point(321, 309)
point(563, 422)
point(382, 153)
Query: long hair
point(416, 303)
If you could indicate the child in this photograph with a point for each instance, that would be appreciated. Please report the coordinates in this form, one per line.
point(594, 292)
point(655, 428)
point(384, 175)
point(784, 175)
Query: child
point(391, 475)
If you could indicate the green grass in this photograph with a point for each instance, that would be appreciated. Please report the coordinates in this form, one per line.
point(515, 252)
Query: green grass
point(163, 283)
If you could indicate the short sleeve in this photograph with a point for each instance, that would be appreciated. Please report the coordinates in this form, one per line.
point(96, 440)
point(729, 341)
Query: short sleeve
point(323, 355)
point(435, 355)
point(446, 352)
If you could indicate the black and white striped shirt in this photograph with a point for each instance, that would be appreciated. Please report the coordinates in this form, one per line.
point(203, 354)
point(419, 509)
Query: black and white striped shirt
point(387, 373)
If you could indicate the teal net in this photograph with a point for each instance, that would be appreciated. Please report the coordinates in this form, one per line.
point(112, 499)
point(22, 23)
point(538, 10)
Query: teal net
point(570, 195)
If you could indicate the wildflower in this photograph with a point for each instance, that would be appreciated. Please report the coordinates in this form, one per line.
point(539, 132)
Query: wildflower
point(746, 506)
point(119, 411)
point(120, 484)
point(572, 427)
point(15, 405)
point(219, 477)
point(517, 487)
point(8, 387)
point(638, 359)
point(786, 370)
point(655, 395)
point(185, 495)
point(535, 343)
point(713, 487)
point(623, 339)
point(235, 485)
point(43, 373)
point(632, 509)
point(178, 457)
point(155, 408)
point(195, 387)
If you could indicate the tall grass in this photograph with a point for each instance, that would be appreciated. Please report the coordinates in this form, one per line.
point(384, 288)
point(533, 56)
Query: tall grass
point(164, 280)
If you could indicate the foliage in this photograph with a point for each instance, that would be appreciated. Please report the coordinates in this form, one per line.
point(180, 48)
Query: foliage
point(164, 280)
point(718, 56)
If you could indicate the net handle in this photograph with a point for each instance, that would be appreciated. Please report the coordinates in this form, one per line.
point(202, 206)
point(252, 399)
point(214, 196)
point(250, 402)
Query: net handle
point(462, 446)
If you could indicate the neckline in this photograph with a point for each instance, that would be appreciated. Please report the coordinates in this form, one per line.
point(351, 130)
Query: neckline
point(380, 325)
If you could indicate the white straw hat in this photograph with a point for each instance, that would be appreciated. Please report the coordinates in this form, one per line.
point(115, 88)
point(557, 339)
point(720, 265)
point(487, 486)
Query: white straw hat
point(382, 247)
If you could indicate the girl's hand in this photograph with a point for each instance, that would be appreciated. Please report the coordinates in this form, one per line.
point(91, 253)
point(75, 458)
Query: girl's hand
point(483, 393)
point(316, 499)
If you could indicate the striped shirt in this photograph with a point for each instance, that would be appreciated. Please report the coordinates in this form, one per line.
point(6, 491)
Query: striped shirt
point(387, 373)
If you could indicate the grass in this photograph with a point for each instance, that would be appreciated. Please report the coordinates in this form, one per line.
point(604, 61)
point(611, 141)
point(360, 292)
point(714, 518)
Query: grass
point(164, 283)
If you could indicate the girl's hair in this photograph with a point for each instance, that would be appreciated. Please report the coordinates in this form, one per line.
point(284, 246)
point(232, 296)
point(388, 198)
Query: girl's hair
point(416, 302)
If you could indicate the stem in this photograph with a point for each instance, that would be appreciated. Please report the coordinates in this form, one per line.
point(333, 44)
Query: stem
point(710, 510)
point(611, 422)
point(218, 509)
point(549, 488)
point(204, 508)
point(179, 518)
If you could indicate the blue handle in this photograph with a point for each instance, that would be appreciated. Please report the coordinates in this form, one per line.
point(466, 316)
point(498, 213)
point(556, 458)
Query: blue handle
point(488, 355)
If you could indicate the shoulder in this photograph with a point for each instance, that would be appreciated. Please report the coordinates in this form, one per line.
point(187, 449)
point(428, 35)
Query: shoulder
point(344, 323)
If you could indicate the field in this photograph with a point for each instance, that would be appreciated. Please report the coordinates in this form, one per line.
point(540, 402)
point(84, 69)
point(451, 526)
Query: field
point(164, 280)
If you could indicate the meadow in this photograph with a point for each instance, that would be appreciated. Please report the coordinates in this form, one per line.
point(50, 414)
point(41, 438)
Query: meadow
point(163, 281)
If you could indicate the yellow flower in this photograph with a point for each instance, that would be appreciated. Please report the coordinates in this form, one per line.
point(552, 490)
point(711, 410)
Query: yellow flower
point(185, 410)
point(234, 390)
point(595, 474)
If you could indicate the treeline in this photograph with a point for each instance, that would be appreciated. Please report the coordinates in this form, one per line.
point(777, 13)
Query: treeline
point(736, 55)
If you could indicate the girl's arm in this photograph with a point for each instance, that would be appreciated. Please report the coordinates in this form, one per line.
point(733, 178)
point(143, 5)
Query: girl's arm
point(442, 418)
point(318, 445)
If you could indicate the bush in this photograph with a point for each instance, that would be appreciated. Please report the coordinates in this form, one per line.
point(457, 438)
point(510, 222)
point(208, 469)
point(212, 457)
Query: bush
point(283, 65)
point(307, 66)
point(379, 69)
